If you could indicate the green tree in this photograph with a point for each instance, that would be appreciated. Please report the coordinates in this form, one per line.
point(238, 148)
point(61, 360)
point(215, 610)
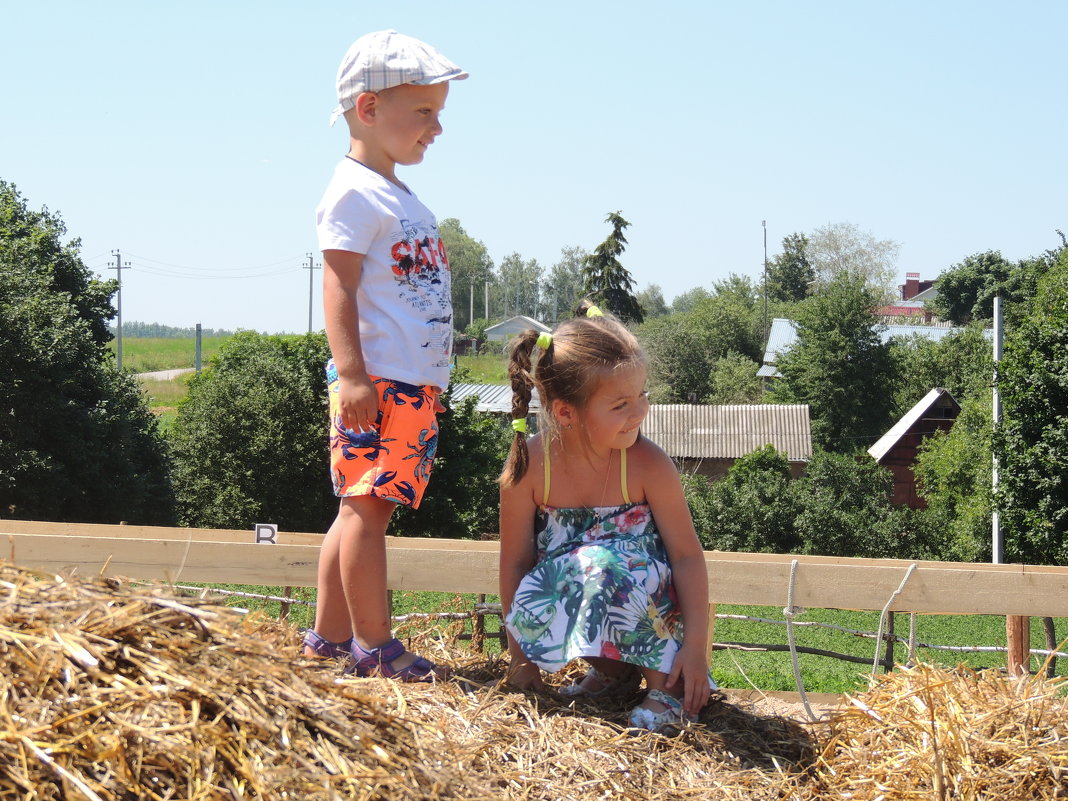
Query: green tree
point(791, 273)
point(839, 248)
point(844, 509)
point(966, 290)
point(251, 445)
point(680, 359)
point(689, 299)
point(1032, 440)
point(563, 288)
point(77, 441)
point(471, 267)
point(734, 380)
point(685, 348)
point(953, 471)
point(519, 286)
point(961, 363)
point(651, 299)
point(751, 508)
point(250, 440)
point(839, 366)
point(606, 280)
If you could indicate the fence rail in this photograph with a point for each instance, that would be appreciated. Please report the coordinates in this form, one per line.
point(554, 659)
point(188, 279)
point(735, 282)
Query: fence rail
point(233, 557)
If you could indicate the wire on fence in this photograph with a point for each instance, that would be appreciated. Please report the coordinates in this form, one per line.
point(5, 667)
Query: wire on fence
point(483, 609)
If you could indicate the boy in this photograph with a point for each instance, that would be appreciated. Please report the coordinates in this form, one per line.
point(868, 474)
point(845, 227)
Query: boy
point(388, 315)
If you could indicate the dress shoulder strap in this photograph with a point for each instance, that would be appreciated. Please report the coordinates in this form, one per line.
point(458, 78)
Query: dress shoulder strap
point(545, 471)
point(623, 475)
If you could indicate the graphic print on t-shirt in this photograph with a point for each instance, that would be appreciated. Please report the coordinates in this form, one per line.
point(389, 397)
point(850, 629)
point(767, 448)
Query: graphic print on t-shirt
point(424, 281)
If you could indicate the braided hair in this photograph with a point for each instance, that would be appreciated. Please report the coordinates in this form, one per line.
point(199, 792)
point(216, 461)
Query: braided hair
point(581, 351)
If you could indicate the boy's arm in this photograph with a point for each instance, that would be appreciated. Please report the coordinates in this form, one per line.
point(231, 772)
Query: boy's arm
point(358, 400)
point(518, 555)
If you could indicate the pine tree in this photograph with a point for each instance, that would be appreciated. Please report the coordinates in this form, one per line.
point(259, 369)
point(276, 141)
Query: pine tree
point(606, 281)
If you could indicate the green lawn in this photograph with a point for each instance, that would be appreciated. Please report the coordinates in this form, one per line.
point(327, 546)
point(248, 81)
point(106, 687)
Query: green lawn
point(485, 368)
point(149, 354)
point(766, 670)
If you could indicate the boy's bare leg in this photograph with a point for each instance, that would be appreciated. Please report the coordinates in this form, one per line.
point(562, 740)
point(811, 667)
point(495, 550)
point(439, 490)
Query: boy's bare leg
point(362, 523)
point(362, 559)
point(332, 620)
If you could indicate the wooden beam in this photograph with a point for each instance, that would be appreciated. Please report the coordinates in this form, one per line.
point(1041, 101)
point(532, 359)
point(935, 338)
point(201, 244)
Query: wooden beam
point(197, 555)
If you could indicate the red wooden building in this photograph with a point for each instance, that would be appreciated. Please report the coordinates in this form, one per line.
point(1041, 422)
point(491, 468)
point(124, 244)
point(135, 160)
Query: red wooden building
point(897, 448)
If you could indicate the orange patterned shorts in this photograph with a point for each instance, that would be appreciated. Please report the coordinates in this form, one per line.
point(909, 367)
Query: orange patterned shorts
point(393, 460)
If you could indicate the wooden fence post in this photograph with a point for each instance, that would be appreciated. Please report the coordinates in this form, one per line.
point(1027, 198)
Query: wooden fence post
point(1018, 641)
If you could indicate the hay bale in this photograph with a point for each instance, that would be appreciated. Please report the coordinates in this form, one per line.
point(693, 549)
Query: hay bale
point(940, 733)
point(115, 692)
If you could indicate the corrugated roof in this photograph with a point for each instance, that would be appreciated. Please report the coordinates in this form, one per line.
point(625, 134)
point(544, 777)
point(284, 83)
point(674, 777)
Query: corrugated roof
point(688, 431)
point(492, 398)
point(902, 426)
point(729, 432)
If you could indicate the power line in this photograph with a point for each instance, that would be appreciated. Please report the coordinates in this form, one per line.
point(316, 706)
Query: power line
point(215, 269)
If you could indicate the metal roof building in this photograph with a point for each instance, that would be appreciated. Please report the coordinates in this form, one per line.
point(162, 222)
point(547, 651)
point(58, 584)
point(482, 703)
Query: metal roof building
point(705, 439)
point(729, 432)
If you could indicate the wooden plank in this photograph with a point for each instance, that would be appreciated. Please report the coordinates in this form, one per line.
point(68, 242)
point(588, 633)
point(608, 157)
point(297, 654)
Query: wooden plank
point(471, 567)
point(165, 560)
point(152, 532)
point(864, 584)
point(445, 566)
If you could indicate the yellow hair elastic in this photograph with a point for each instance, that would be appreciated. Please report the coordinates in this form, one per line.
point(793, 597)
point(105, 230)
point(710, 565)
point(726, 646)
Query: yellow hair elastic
point(593, 311)
point(520, 425)
point(545, 340)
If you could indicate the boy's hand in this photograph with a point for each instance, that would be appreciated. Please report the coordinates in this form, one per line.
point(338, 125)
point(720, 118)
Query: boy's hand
point(358, 402)
point(691, 666)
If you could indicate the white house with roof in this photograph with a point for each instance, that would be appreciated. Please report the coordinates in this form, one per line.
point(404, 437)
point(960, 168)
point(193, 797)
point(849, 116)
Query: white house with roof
point(505, 330)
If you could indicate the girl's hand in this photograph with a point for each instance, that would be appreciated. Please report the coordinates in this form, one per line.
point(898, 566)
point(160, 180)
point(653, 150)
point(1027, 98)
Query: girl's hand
point(691, 666)
point(525, 675)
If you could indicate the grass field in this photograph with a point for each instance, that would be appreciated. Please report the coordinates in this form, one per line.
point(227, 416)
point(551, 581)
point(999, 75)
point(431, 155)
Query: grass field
point(151, 354)
point(765, 670)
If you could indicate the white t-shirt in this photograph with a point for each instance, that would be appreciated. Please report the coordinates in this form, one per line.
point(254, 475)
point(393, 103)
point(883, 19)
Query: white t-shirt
point(405, 294)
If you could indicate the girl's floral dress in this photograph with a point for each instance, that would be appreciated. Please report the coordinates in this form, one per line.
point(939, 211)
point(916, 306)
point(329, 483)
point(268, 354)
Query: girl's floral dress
point(601, 587)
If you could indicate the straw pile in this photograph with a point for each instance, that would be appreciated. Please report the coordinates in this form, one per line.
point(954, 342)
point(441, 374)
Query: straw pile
point(934, 733)
point(114, 692)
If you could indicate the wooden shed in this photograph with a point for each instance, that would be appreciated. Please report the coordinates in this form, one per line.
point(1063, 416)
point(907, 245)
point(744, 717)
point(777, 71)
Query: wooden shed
point(897, 448)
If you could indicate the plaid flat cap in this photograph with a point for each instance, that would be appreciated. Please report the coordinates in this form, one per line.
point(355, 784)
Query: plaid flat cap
point(384, 59)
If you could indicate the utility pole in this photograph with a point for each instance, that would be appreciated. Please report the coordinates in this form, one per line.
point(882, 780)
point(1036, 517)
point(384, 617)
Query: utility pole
point(764, 225)
point(1017, 627)
point(118, 266)
point(311, 267)
point(998, 545)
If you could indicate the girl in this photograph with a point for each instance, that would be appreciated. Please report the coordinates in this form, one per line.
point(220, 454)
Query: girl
point(599, 558)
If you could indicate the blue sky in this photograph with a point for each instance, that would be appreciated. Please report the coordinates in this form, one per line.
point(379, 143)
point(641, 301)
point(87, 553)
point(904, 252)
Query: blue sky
point(194, 138)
